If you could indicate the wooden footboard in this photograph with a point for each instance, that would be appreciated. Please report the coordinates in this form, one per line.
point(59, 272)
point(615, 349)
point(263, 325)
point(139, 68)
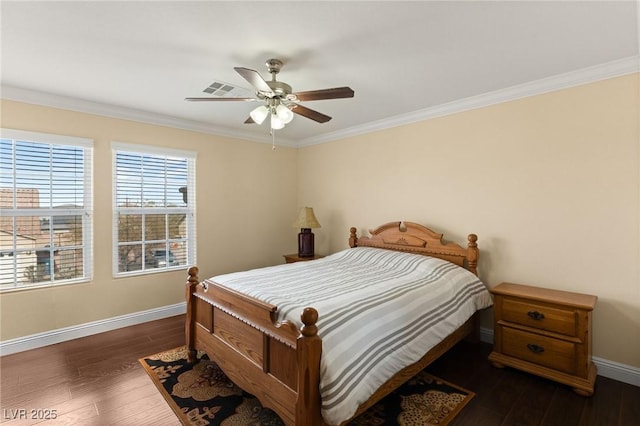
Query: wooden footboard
point(276, 362)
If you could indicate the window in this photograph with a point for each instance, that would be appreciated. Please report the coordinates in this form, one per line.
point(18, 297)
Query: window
point(45, 209)
point(154, 209)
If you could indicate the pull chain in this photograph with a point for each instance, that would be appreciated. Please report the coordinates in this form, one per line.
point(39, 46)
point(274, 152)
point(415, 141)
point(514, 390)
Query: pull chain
point(273, 140)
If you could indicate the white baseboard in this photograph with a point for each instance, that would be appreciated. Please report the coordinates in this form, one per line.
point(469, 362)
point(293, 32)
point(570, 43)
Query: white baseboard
point(616, 371)
point(74, 332)
point(486, 335)
point(609, 369)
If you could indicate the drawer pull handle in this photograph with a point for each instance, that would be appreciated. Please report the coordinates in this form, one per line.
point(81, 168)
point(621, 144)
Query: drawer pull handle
point(535, 348)
point(535, 315)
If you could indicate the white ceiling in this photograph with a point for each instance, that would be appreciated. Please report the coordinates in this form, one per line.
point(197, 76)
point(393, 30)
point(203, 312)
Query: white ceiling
point(404, 60)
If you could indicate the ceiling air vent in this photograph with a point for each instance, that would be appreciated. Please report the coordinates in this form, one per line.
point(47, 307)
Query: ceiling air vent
point(218, 88)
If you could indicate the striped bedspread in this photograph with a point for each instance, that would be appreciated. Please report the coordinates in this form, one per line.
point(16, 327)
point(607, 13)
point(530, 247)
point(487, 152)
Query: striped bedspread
point(379, 311)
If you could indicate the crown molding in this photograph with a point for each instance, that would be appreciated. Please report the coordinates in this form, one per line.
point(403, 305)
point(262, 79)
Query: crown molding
point(558, 82)
point(81, 105)
point(587, 75)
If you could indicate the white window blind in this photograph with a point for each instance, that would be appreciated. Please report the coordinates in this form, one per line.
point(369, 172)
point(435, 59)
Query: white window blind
point(45, 209)
point(154, 209)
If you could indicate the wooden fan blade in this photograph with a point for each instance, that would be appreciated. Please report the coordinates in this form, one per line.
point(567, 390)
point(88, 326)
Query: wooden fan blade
point(254, 78)
point(309, 113)
point(220, 99)
point(316, 95)
point(249, 121)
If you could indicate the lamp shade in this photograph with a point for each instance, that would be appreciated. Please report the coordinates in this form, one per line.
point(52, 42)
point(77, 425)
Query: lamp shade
point(276, 122)
point(259, 114)
point(306, 219)
point(284, 113)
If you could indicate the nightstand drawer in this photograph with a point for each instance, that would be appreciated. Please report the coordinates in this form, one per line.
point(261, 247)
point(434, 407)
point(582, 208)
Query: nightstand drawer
point(539, 316)
point(541, 350)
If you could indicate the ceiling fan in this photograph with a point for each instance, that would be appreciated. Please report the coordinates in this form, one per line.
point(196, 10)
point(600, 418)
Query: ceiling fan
point(279, 99)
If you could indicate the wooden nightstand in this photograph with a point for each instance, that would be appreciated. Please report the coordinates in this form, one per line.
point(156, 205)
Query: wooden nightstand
point(544, 332)
point(292, 258)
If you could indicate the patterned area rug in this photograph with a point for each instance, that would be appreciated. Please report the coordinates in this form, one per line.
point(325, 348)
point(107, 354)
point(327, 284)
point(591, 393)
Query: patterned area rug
point(202, 395)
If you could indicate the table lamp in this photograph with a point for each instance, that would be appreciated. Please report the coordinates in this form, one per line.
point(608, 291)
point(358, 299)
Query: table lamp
point(306, 220)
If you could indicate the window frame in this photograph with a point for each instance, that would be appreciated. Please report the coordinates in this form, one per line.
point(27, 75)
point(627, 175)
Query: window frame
point(188, 210)
point(86, 211)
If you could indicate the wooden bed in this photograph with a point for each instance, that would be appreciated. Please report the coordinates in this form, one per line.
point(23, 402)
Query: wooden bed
point(279, 363)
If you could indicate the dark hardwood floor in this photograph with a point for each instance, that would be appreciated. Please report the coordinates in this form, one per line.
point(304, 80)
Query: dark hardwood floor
point(510, 397)
point(97, 380)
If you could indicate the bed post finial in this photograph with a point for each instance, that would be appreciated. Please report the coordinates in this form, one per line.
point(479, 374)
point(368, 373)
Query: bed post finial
point(472, 253)
point(190, 287)
point(193, 275)
point(309, 352)
point(353, 238)
point(309, 317)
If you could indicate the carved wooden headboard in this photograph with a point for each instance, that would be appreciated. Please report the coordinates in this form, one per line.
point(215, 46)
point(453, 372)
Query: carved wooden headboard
point(414, 238)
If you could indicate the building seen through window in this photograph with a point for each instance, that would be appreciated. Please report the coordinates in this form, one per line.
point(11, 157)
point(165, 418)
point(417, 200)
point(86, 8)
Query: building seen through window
point(154, 215)
point(45, 211)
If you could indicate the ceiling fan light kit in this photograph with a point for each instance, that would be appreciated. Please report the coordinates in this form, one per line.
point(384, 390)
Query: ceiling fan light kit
point(280, 114)
point(280, 100)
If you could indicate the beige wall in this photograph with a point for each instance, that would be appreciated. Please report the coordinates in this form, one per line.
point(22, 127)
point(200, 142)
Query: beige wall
point(550, 183)
point(246, 201)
